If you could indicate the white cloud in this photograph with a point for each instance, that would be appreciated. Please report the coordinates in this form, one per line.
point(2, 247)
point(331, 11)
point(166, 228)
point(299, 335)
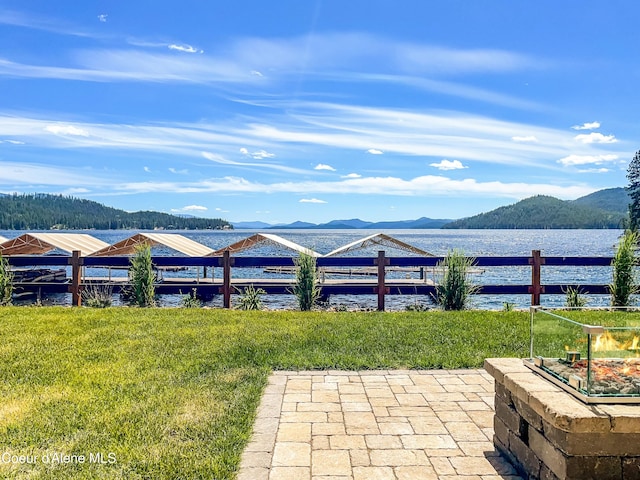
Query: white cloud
point(595, 137)
point(103, 17)
point(587, 159)
point(184, 48)
point(374, 151)
point(529, 138)
point(594, 170)
point(423, 186)
point(311, 200)
point(256, 73)
point(12, 142)
point(448, 165)
point(194, 208)
point(258, 155)
point(352, 175)
point(147, 169)
point(179, 172)
point(217, 158)
point(587, 126)
point(67, 130)
point(322, 166)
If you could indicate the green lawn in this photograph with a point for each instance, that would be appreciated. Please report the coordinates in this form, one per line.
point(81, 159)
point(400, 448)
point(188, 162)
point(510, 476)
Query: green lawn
point(172, 393)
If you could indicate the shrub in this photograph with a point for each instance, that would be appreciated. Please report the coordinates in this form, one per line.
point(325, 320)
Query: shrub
point(6, 282)
point(142, 277)
point(574, 298)
point(455, 288)
point(624, 284)
point(191, 299)
point(508, 306)
point(306, 288)
point(250, 299)
point(97, 296)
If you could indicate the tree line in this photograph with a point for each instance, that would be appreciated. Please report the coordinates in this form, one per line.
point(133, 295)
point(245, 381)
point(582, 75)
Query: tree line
point(46, 212)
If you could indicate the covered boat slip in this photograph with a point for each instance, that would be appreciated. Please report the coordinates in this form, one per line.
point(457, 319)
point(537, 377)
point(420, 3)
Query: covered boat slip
point(41, 243)
point(112, 271)
point(88, 245)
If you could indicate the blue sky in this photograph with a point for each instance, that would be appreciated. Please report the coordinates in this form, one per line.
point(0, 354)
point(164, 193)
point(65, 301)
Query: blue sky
point(317, 109)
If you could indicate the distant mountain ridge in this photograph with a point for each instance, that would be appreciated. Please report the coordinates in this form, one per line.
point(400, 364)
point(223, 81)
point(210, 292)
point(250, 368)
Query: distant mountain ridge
point(606, 208)
point(602, 209)
point(353, 223)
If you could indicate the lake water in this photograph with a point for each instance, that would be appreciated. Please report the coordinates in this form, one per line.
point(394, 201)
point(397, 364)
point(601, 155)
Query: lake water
point(437, 242)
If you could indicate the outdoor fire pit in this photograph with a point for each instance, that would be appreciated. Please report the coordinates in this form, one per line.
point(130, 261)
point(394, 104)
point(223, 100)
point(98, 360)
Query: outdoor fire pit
point(598, 362)
point(572, 410)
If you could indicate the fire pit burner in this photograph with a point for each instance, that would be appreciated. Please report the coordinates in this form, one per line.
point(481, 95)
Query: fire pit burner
point(596, 363)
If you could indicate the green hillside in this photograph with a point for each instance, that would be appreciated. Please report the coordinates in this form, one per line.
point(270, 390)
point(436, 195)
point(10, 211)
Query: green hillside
point(547, 212)
point(610, 199)
point(45, 212)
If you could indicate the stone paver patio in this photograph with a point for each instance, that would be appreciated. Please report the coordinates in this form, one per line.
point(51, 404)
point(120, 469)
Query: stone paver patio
point(370, 425)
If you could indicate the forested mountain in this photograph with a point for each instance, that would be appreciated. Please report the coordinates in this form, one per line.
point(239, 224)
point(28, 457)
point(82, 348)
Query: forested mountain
point(548, 212)
point(45, 212)
point(610, 199)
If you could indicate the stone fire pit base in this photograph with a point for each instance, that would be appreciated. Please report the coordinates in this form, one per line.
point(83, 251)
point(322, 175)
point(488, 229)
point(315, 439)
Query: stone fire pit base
point(549, 434)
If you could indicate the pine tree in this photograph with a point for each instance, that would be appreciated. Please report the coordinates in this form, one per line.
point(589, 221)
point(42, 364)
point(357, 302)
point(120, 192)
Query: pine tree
point(633, 175)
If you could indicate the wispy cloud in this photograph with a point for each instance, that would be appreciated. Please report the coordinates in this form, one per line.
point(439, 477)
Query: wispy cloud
point(448, 165)
point(375, 151)
point(12, 142)
point(528, 138)
point(185, 48)
point(311, 200)
point(352, 175)
point(258, 155)
point(594, 170)
point(322, 166)
point(587, 126)
point(422, 186)
point(595, 137)
point(67, 130)
point(587, 159)
point(103, 17)
point(225, 161)
point(190, 208)
point(183, 171)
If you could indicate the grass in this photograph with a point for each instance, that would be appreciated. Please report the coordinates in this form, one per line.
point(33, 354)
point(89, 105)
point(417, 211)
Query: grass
point(172, 393)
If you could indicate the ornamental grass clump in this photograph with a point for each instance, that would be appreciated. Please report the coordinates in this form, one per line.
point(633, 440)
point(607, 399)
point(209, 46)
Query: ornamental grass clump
point(97, 296)
point(455, 288)
point(574, 298)
point(251, 298)
point(624, 283)
point(306, 288)
point(6, 282)
point(142, 276)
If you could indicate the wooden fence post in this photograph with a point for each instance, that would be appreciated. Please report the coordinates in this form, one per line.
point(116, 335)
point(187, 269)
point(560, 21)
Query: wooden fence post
point(381, 289)
point(536, 262)
point(226, 278)
point(76, 273)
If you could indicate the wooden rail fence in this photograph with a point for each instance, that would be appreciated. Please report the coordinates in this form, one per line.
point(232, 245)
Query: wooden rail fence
point(381, 286)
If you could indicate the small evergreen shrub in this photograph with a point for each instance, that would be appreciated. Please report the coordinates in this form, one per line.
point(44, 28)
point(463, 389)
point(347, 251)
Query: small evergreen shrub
point(624, 284)
point(142, 277)
point(6, 282)
point(454, 289)
point(306, 288)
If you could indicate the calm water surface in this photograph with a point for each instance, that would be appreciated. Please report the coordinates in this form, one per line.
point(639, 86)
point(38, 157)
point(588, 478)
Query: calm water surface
point(437, 242)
